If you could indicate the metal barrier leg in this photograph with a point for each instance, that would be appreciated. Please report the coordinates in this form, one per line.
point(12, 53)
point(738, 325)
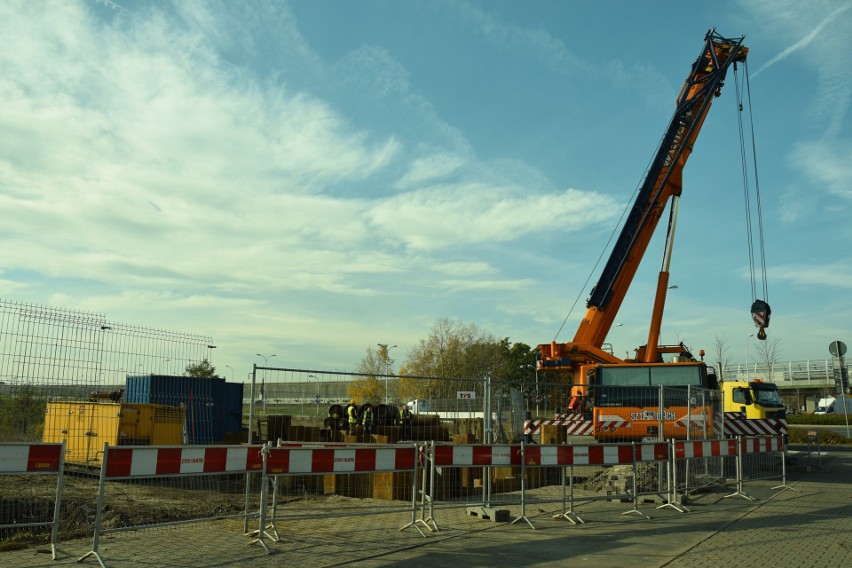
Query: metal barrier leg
point(428, 499)
point(523, 516)
point(264, 484)
point(414, 519)
point(99, 514)
point(569, 514)
point(672, 499)
point(784, 485)
point(635, 508)
point(739, 492)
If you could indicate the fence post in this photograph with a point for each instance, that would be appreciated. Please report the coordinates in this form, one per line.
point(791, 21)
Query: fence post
point(523, 488)
point(673, 499)
point(414, 519)
point(569, 514)
point(635, 508)
point(264, 495)
point(99, 513)
point(739, 492)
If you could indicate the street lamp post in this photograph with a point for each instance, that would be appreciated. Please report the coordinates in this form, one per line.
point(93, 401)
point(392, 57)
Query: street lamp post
point(232, 371)
point(386, 352)
point(263, 382)
point(317, 399)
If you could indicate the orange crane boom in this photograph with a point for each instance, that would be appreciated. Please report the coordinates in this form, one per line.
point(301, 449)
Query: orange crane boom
point(662, 184)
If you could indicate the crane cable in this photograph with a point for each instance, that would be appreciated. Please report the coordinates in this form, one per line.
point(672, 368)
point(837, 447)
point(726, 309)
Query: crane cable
point(760, 307)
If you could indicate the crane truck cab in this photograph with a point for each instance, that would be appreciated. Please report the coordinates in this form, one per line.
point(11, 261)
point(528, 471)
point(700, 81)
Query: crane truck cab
point(756, 400)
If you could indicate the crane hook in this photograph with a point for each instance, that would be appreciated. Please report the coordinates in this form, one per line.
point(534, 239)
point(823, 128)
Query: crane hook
point(760, 313)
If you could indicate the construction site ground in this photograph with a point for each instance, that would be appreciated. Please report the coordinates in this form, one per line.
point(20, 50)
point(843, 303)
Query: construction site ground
point(809, 523)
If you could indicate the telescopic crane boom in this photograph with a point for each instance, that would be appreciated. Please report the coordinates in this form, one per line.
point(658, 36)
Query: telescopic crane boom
point(662, 184)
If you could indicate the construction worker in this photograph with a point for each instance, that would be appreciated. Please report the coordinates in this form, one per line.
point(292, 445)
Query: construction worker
point(405, 423)
point(352, 412)
point(368, 419)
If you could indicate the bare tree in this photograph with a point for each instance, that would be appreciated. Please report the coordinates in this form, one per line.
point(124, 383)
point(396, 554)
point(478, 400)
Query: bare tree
point(769, 354)
point(720, 345)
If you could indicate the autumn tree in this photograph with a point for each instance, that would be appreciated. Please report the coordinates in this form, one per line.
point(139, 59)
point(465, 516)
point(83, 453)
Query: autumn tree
point(460, 353)
point(374, 368)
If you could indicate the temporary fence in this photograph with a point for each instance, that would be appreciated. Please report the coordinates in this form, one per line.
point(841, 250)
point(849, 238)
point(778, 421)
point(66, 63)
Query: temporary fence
point(760, 458)
point(191, 484)
point(29, 511)
point(304, 481)
point(697, 465)
point(412, 485)
point(521, 475)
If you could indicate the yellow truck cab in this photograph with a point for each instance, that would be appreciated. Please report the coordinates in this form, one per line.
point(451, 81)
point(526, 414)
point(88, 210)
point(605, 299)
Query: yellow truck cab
point(756, 399)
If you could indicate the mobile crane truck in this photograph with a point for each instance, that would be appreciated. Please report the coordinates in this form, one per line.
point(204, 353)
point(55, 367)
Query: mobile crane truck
point(621, 399)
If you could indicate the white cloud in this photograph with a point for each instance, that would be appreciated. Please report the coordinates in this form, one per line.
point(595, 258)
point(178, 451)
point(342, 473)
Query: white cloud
point(454, 215)
point(837, 274)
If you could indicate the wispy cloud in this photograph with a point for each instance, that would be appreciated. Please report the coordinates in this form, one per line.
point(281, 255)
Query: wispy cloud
point(805, 41)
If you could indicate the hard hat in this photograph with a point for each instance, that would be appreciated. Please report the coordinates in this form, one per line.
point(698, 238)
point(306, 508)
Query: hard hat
point(352, 401)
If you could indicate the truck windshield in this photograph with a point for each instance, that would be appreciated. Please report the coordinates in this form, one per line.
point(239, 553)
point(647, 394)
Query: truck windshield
point(768, 396)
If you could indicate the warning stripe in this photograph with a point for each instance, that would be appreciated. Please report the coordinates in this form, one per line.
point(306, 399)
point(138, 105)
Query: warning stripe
point(551, 455)
point(477, 455)
point(153, 461)
point(30, 458)
point(339, 460)
point(532, 426)
point(704, 449)
point(736, 424)
point(762, 445)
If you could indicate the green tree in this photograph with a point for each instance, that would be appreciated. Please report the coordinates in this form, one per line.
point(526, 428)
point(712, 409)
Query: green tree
point(21, 417)
point(203, 369)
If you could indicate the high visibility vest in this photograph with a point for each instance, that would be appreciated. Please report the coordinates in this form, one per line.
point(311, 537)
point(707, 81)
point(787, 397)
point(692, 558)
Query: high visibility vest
point(353, 415)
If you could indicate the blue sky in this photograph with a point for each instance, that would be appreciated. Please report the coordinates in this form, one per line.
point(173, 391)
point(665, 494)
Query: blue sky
point(311, 178)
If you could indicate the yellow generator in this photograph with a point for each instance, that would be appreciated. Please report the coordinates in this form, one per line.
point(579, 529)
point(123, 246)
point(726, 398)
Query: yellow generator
point(86, 426)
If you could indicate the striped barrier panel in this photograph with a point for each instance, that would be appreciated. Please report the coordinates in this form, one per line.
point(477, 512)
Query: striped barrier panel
point(550, 455)
point(34, 459)
point(533, 426)
point(295, 460)
point(575, 425)
point(686, 449)
point(30, 458)
point(179, 460)
point(598, 454)
point(477, 455)
point(755, 427)
point(148, 463)
point(762, 445)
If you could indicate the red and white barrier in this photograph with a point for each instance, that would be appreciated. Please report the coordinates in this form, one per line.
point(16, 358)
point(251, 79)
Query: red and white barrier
point(550, 455)
point(687, 449)
point(597, 454)
point(295, 460)
point(35, 459)
point(30, 458)
point(480, 455)
point(762, 445)
point(188, 460)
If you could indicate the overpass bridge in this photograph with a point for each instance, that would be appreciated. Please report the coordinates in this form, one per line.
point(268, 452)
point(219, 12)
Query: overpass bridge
point(807, 380)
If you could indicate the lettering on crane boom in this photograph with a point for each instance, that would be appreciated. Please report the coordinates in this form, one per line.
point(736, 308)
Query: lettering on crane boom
point(650, 415)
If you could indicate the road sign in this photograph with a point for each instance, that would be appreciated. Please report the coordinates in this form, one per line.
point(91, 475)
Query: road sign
point(837, 348)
